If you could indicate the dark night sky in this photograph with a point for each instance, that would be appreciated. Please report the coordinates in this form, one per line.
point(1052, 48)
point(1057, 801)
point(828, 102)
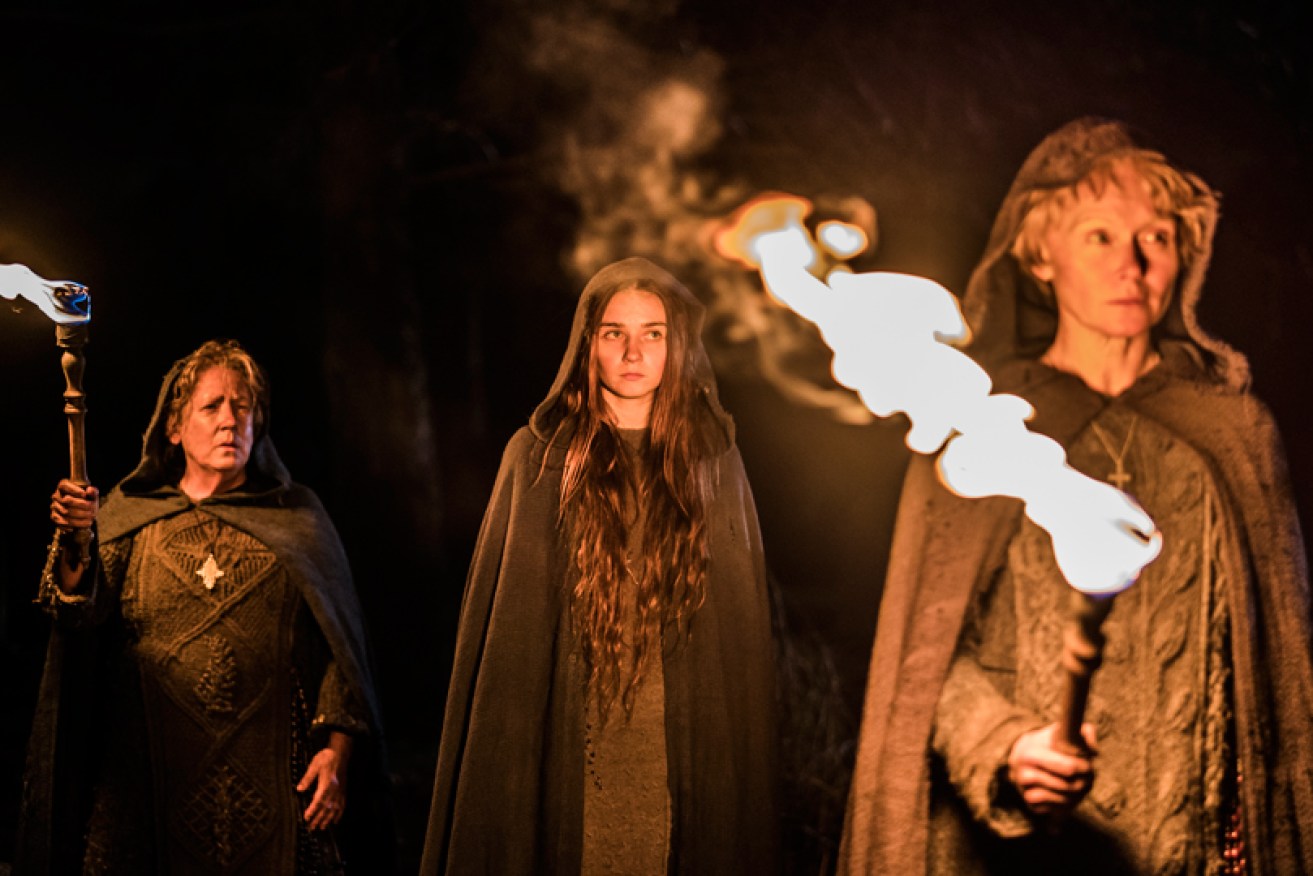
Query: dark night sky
point(380, 201)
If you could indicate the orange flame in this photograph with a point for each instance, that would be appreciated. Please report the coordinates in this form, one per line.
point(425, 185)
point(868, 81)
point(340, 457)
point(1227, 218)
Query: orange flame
point(738, 239)
point(891, 336)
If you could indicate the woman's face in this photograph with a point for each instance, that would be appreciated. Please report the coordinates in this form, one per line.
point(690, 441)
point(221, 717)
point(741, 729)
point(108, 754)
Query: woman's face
point(629, 352)
point(1112, 260)
point(218, 424)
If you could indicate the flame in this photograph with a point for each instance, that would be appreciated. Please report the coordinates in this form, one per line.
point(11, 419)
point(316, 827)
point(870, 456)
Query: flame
point(740, 238)
point(65, 302)
point(891, 335)
point(840, 239)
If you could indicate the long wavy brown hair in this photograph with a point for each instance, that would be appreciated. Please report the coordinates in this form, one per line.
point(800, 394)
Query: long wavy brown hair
point(606, 489)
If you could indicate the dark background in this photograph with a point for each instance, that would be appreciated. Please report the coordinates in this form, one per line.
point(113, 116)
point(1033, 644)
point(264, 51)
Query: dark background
point(394, 204)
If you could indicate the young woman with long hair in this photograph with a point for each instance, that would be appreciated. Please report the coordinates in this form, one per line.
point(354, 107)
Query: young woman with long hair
point(610, 707)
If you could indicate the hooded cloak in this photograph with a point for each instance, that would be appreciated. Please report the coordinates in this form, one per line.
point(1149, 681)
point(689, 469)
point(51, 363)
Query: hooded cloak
point(947, 548)
point(508, 796)
point(75, 705)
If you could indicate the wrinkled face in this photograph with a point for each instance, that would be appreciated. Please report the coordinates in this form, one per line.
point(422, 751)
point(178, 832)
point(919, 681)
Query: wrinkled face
point(217, 428)
point(1112, 260)
point(630, 348)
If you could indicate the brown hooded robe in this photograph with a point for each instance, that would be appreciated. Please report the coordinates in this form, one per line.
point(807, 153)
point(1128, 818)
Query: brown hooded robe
point(947, 548)
point(508, 796)
point(94, 703)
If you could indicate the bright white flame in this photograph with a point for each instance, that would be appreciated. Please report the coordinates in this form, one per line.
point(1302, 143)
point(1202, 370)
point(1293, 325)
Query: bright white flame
point(841, 239)
point(890, 334)
point(65, 302)
point(1101, 537)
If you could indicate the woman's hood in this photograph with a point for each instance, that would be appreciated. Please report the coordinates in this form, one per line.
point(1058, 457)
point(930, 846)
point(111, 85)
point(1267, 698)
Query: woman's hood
point(697, 365)
point(1012, 316)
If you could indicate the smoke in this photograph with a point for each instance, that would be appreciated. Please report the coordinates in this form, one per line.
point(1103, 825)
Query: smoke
point(636, 149)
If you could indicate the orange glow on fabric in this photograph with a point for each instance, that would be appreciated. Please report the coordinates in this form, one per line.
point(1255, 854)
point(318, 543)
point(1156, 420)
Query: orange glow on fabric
point(892, 337)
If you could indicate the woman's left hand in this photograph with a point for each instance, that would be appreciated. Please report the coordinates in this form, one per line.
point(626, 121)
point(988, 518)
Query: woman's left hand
point(327, 774)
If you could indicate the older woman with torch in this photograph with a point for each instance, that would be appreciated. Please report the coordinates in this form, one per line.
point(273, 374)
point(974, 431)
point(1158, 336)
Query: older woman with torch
point(208, 688)
point(1085, 306)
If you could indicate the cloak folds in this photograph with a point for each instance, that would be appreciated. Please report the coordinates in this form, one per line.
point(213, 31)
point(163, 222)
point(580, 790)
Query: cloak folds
point(508, 795)
point(73, 712)
point(946, 547)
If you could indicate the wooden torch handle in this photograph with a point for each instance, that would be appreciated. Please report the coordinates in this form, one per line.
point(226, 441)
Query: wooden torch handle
point(1082, 653)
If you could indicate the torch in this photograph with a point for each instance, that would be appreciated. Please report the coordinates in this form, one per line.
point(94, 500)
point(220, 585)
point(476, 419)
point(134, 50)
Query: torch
point(68, 305)
point(1082, 652)
point(892, 336)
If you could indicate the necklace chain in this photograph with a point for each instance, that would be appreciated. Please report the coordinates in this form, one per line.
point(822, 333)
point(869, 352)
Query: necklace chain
point(1120, 477)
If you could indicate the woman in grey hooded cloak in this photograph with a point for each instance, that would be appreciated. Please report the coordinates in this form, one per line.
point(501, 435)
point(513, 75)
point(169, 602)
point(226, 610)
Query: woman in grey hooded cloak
point(1204, 705)
point(521, 744)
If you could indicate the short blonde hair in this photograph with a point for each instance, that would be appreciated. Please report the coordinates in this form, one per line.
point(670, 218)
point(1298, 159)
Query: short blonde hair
point(1174, 193)
point(217, 354)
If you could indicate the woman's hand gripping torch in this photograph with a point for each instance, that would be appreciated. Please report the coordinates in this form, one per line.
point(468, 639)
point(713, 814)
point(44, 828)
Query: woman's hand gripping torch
point(68, 305)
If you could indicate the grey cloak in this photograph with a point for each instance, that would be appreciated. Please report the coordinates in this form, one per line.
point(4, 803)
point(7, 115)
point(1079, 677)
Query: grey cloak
point(509, 788)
